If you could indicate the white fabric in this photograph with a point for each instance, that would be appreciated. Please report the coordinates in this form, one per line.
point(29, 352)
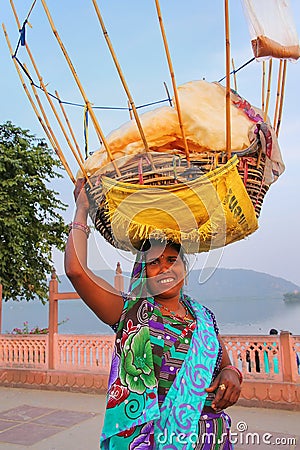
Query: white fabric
point(272, 19)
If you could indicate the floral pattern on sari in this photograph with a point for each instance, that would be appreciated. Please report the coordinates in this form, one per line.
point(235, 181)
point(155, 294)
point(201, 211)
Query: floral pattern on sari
point(136, 362)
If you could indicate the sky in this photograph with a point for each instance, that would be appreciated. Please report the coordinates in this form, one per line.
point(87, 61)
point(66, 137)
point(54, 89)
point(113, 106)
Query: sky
point(195, 32)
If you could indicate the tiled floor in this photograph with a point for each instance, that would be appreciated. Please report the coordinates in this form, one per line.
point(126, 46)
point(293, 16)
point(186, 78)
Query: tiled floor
point(27, 425)
point(55, 420)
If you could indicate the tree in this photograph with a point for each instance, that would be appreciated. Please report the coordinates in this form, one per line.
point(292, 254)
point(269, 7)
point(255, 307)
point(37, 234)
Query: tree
point(30, 222)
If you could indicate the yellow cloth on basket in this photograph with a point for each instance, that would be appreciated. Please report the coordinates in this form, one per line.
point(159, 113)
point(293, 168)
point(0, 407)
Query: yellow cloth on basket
point(209, 212)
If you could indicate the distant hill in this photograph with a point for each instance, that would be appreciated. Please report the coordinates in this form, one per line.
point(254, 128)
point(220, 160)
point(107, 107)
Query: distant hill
point(222, 284)
point(236, 283)
point(66, 286)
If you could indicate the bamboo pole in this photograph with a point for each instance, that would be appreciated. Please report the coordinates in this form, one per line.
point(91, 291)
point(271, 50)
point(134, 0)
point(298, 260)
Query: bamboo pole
point(263, 87)
point(129, 110)
point(86, 130)
point(50, 101)
point(31, 8)
point(228, 98)
point(281, 97)
point(268, 89)
point(172, 74)
point(69, 126)
point(43, 112)
point(56, 147)
point(80, 87)
point(278, 93)
point(123, 81)
point(54, 140)
point(234, 74)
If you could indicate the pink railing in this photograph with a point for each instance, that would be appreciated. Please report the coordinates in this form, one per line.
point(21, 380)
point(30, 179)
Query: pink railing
point(30, 352)
point(71, 352)
point(91, 353)
point(274, 358)
point(296, 352)
point(258, 357)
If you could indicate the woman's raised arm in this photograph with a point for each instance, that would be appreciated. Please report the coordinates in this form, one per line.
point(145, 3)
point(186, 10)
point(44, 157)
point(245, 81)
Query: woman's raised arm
point(105, 301)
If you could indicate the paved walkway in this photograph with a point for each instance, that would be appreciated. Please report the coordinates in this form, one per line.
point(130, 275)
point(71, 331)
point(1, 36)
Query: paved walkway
point(52, 420)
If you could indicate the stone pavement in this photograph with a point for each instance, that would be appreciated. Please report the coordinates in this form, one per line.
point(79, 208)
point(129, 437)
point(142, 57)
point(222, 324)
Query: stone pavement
point(54, 420)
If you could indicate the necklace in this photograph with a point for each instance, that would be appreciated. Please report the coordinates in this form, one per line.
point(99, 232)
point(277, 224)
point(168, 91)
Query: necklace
point(181, 318)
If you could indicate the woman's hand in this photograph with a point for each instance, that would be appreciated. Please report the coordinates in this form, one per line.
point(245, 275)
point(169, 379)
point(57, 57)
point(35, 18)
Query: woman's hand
point(228, 387)
point(80, 195)
point(79, 192)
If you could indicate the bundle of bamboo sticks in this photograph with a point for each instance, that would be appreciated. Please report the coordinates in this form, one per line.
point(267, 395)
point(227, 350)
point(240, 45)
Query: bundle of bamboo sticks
point(62, 118)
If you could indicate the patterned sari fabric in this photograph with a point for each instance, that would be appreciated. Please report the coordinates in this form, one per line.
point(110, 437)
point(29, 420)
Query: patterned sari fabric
point(159, 372)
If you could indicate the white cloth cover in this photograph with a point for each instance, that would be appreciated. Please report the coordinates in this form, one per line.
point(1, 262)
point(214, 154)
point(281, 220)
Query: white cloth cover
point(272, 28)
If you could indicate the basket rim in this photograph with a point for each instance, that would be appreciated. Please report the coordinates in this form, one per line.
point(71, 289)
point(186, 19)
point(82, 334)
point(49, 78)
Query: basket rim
point(179, 155)
point(208, 177)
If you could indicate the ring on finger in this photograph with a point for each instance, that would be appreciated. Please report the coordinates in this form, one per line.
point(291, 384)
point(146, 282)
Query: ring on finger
point(222, 387)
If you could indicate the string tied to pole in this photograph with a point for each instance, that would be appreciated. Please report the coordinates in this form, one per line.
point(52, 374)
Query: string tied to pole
point(86, 130)
point(23, 34)
point(22, 39)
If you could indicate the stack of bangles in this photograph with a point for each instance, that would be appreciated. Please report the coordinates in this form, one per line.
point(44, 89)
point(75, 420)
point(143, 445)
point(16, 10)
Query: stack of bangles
point(236, 370)
point(80, 226)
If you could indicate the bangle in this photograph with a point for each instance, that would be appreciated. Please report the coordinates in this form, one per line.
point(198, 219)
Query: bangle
point(80, 226)
point(236, 370)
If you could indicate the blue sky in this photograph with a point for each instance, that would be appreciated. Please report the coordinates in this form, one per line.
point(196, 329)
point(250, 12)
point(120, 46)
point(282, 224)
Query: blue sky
point(195, 32)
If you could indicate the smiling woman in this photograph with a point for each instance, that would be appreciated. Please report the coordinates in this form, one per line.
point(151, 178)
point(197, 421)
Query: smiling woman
point(171, 377)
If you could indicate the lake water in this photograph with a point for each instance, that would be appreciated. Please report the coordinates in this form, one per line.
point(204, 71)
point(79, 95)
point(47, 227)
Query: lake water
point(234, 316)
point(256, 316)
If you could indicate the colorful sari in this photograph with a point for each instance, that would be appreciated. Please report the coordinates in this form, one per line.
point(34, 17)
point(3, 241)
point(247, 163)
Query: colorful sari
point(157, 388)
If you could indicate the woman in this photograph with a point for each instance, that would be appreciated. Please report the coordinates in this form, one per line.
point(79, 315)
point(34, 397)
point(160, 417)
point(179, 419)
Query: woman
point(171, 377)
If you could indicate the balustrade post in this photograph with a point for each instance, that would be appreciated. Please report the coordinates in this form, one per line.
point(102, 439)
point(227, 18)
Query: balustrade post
point(119, 279)
point(53, 319)
point(288, 357)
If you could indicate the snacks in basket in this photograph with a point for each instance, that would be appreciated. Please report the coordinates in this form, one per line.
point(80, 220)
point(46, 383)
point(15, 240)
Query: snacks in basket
point(203, 111)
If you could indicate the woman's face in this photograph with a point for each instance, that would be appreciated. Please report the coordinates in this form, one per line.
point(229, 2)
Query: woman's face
point(165, 271)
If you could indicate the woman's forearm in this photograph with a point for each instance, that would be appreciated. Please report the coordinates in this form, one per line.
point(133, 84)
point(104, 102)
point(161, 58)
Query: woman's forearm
point(225, 357)
point(76, 248)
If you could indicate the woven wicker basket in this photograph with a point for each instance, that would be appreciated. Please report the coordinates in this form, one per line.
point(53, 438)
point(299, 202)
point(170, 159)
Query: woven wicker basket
point(157, 169)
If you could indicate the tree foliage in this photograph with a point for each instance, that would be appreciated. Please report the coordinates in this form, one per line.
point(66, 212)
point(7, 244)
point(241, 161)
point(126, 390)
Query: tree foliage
point(30, 220)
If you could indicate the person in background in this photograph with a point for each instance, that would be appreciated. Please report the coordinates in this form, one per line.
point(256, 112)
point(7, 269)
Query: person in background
point(271, 354)
point(171, 377)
